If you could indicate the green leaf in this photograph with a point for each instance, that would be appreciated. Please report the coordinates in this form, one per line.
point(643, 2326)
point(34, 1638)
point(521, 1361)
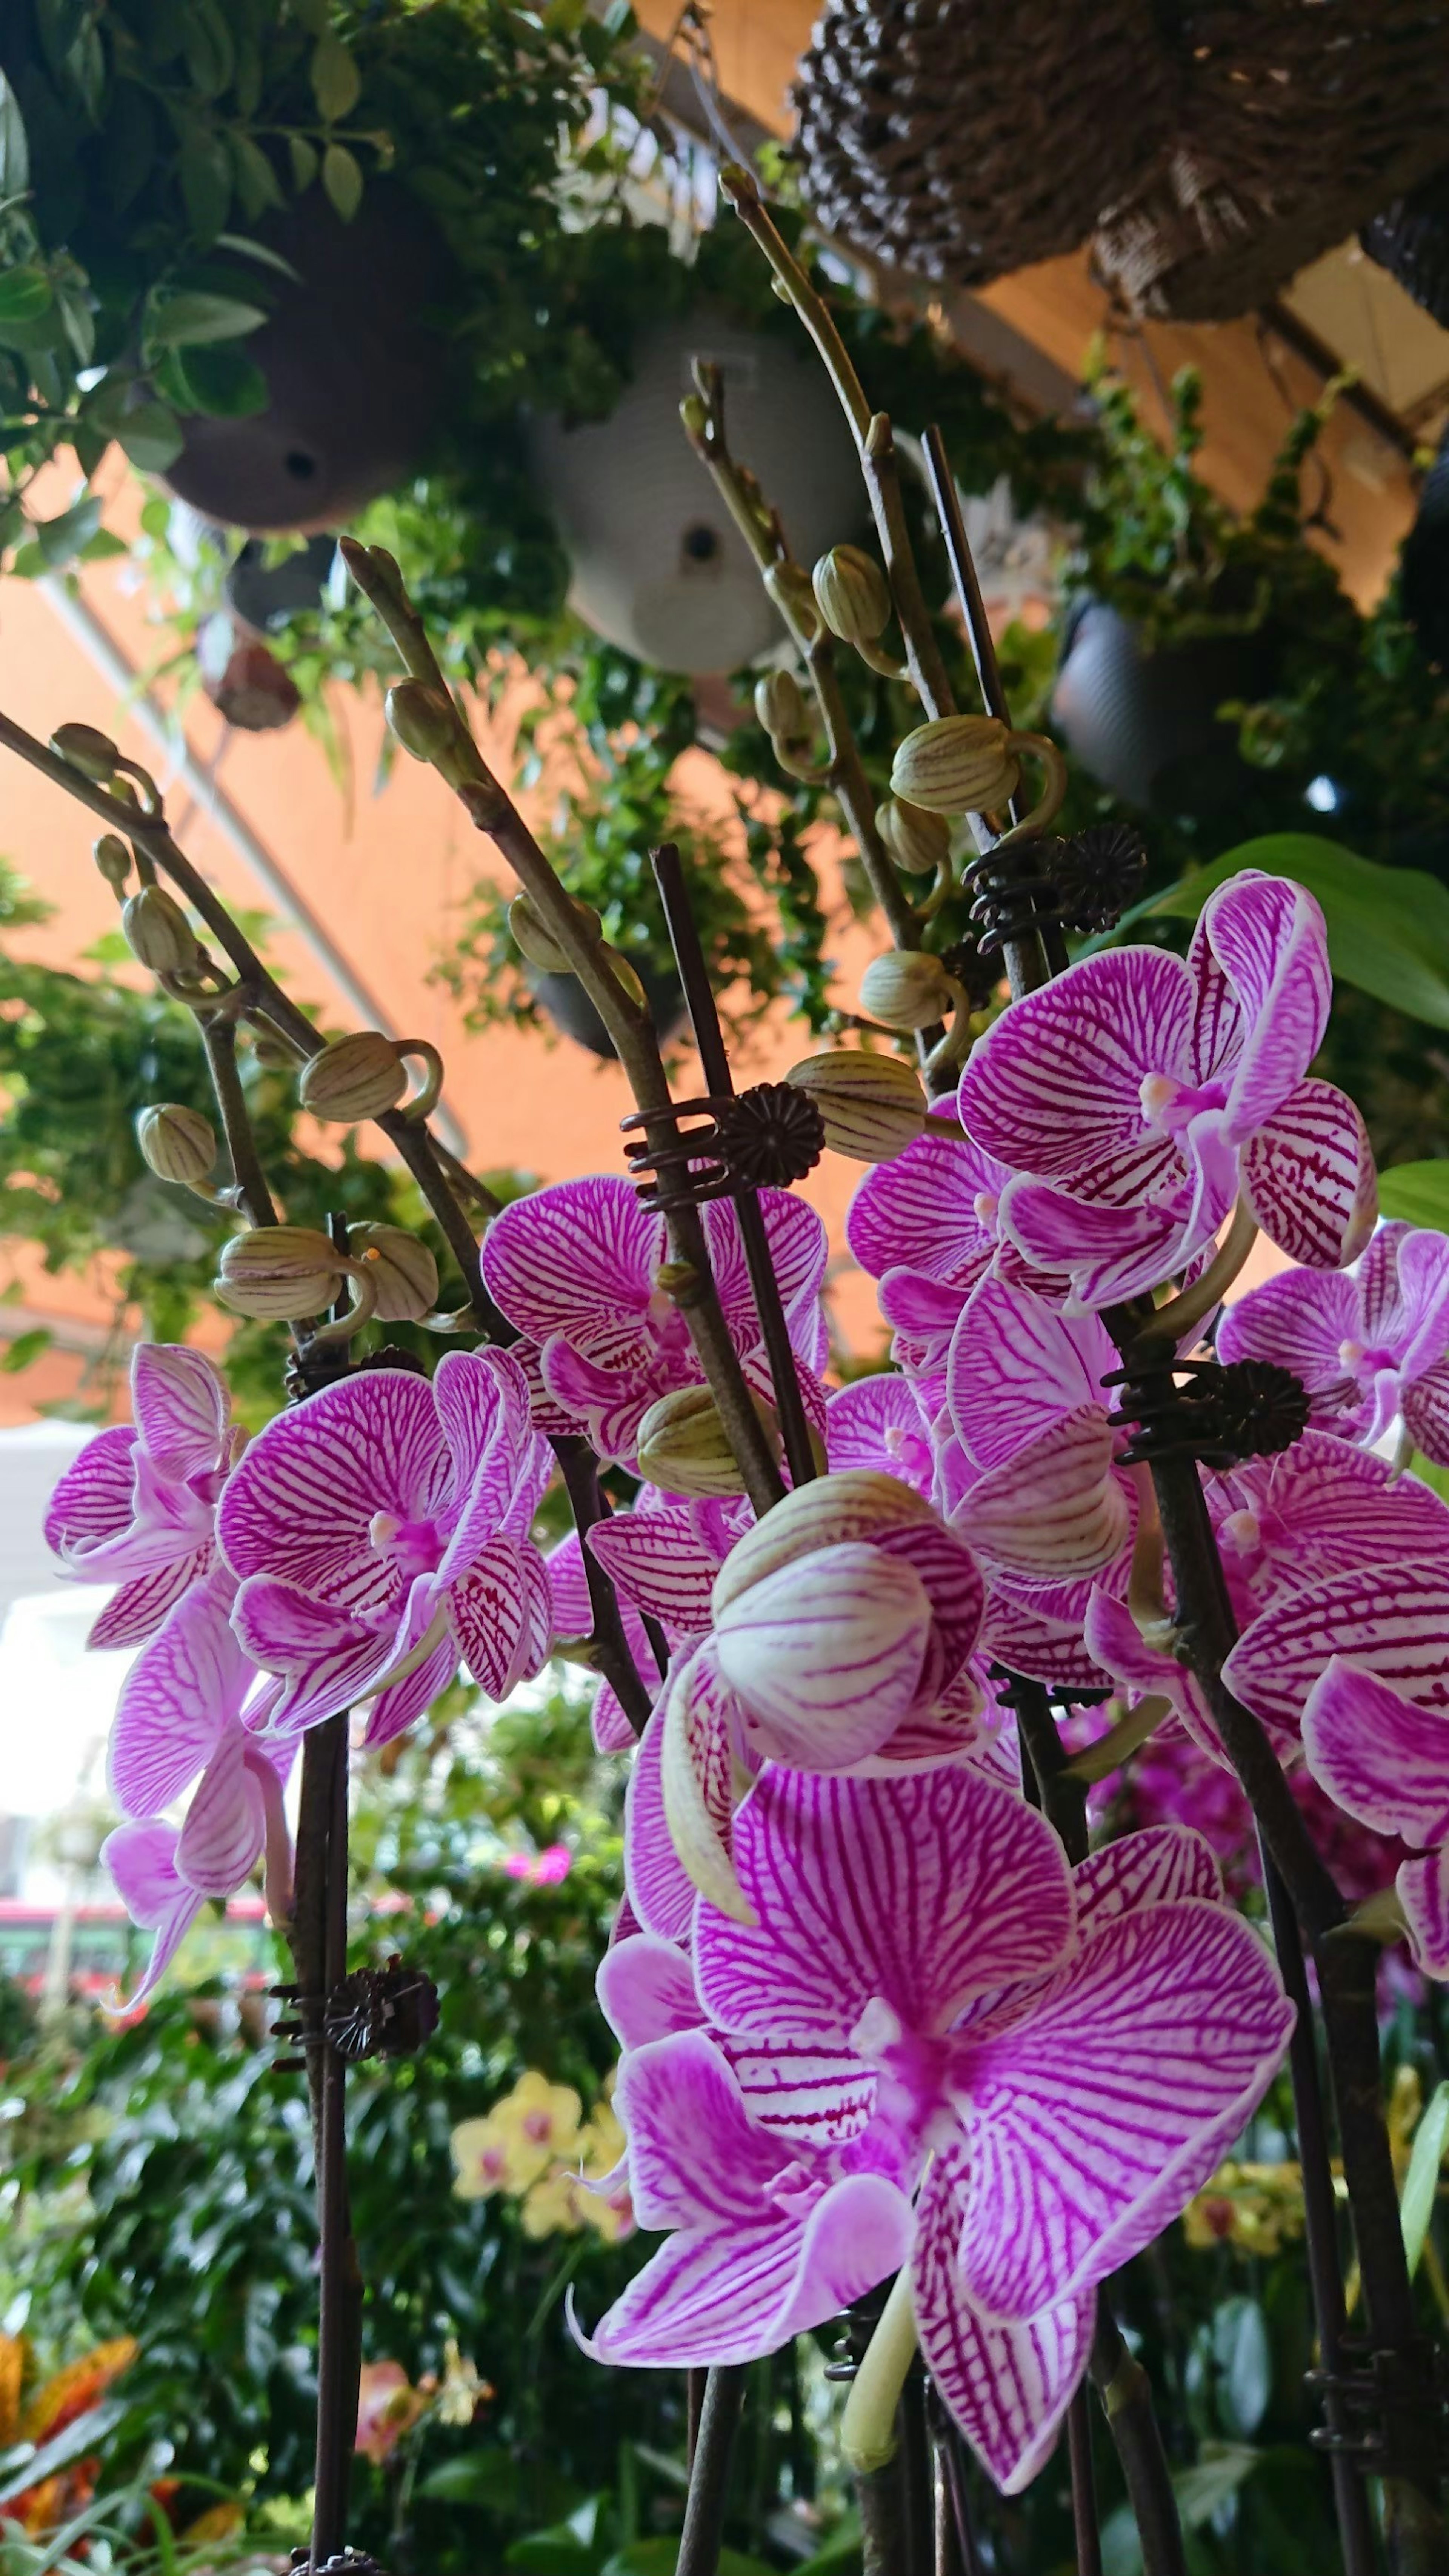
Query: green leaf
point(261, 252)
point(336, 80)
point(223, 382)
point(205, 170)
point(303, 156)
point(24, 293)
point(489, 2477)
point(85, 2434)
point(191, 320)
point(1418, 1192)
point(1421, 2182)
point(342, 179)
point(14, 150)
point(151, 436)
point(60, 540)
point(25, 1348)
point(1388, 928)
point(103, 547)
point(1245, 2365)
point(207, 44)
point(257, 184)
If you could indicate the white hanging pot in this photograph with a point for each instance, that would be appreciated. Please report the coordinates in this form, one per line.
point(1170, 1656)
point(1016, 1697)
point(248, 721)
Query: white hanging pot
point(658, 566)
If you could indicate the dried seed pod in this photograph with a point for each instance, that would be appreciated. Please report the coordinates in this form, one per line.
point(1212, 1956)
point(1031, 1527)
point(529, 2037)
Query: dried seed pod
point(361, 1076)
point(403, 1272)
point(177, 1144)
point(852, 594)
point(684, 1448)
point(112, 858)
point(536, 941)
point(906, 989)
point(957, 765)
point(158, 932)
point(769, 1135)
point(91, 752)
point(280, 1273)
point(872, 1106)
point(918, 841)
point(780, 706)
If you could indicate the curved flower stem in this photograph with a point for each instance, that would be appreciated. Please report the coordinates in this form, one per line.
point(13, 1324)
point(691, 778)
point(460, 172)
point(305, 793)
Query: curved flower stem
point(611, 1656)
point(628, 1022)
point(218, 1037)
point(1172, 1322)
point(701, 2540)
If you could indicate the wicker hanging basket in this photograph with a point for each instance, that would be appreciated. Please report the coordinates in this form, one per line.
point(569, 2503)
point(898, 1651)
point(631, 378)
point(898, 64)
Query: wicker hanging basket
point(952, 139)
point(1212, 149)
point(1410, 239)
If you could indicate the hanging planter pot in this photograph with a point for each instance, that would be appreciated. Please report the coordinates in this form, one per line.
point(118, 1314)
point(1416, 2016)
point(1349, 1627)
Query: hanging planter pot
point(356, 377)
point(563, 1000)
point(658, 565)
point(1145, 723)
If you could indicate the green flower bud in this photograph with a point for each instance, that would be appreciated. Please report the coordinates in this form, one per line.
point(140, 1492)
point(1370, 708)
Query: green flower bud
point(403, 1272)
point(177, 1144)
point(112, 858)
point(280, 1273)
point(534, 937)
point(873, 1106)
point(906, 989)
point(780, 706)
point(852, 594)
point(92, 753)
point(158, 932)
point(918, 841)
point(355, 1077)
point(684, 1449)
point(957, 765)
point(423, 722)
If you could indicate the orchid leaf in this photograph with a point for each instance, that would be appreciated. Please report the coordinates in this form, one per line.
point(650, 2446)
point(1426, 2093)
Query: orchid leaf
point(1421, 2182)
point(1417, 1191)
point(1388, 928)
point(77, 2441)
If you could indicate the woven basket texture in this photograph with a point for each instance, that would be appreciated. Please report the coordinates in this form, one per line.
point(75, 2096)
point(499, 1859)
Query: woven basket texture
point(959, 138)
point(1410, 239)
point(1212, 150)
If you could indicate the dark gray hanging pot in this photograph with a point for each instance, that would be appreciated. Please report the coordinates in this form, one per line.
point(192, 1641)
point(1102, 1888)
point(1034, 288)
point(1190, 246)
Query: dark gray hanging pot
point(1145, 724)
point(563, 1000)
point(357, 377)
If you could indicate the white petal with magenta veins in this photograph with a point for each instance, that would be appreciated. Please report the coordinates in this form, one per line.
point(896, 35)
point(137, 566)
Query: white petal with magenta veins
point(827, 1654)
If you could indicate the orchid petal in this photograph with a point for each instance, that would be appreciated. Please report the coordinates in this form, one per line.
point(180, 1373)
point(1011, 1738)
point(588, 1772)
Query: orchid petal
point(1299, 1320)
point(141, 1859)
point(502, 1611)
point(923, 1891)
point(930, 1211)
point(579, 1261)
point(661, 1893)
point(94, 1499)
point(1378, 1754)
point(1055, 1086)
point(302, 1501)
point(646, 1990)
point(1422, 1272)
point(659, 1562)
point(1094, 2114)
point(1108, 1253)
point(1422, 1887)
point(1391, 1617)
point(1008, 2386)
point(221, 1841)
point(1308, 1177)
point(1157, 1866)
point(326, 1658)
point(876, 1423)
point(1057, 1508)
point(1268, 935)
point(700, 1719)
point(180, 1406)
point(176, 1701)
point(1016, 1368)
point(139, 1608)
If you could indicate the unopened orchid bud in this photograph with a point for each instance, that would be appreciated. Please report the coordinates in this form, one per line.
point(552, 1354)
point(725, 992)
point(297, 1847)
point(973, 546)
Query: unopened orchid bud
point(280, 1273)
point(158, 932)
point(852, 595)
point(422, 721)
point(361, 1076)
point(112, 858)
point(403, 1272)
point(873, 1106)
point(918, 841)
point(828, 1656)
point(91, 752)
point(856, 1503)
point(177, 1144)
point(684, 1447)
point(957, 765)
point(780, 706)
point(536, 941)
point(906, 989)
point(272, 1049)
